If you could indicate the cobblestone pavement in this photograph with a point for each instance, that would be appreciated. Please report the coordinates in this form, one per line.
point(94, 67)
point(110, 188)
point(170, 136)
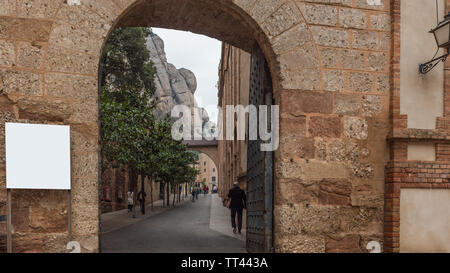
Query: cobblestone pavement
point(191, 227)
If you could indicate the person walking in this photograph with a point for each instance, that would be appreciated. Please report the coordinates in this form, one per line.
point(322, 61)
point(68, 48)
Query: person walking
point(238, 202)
point(193, 194)
point(130, 200)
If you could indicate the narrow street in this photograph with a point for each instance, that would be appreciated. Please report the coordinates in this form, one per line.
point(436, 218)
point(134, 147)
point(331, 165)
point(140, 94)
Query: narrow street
point(183, 229)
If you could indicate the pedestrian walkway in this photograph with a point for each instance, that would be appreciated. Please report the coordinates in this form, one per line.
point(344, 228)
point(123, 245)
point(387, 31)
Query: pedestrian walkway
point(220, 219)
point(184, 229)
point(118, 219)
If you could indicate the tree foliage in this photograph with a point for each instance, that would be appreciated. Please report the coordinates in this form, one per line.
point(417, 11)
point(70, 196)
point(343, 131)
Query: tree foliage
point(131, 136)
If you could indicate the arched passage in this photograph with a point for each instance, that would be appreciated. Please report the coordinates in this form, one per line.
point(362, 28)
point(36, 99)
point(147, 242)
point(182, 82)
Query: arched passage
point(207, 147)
point(318, 70)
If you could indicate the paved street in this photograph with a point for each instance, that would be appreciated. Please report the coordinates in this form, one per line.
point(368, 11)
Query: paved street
point(186, 228)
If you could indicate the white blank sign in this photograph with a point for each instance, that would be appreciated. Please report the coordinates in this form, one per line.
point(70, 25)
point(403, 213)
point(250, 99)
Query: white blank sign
point(37, 156)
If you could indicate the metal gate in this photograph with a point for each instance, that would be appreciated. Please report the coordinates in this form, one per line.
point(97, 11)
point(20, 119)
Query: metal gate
point(259, 164)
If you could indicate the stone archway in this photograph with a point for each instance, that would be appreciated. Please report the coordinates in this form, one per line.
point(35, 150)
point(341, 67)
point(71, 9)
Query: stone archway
point(320, 65)
point(209, 148)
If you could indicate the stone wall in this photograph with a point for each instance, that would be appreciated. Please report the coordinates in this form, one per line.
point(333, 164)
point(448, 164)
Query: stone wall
point(330, 193)
point(329, 63)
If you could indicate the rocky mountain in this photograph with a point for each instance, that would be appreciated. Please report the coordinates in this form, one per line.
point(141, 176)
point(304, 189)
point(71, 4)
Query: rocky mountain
point(173, 86)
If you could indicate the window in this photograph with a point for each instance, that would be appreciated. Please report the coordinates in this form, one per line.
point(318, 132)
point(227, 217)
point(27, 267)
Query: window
point(213, 179)
point(204, 163)
point(204, 170)
point(214, 170)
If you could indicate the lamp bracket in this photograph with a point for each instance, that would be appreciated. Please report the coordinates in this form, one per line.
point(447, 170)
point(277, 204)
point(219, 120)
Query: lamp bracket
point(428, 66)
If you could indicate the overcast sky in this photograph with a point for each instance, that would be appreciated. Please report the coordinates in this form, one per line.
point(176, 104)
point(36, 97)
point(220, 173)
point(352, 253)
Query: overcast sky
point(201, 55)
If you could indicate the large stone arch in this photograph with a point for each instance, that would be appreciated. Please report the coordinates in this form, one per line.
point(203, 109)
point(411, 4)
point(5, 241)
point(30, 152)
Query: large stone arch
point(209, 148)
point(50, 71)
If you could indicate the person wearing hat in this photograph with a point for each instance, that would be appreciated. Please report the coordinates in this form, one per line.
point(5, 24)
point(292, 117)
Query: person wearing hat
point(238, 202)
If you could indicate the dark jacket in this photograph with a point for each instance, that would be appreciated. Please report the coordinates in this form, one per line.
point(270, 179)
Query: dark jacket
point(238, 198)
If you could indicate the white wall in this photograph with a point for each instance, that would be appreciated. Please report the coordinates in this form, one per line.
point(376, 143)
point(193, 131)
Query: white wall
point(425, 220)
point(421, 96)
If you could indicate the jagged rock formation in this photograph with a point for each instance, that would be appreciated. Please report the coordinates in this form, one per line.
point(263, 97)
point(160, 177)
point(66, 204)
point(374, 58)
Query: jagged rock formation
point(173, 86)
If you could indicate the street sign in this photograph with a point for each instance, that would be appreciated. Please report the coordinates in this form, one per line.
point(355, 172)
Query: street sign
point(37, 156)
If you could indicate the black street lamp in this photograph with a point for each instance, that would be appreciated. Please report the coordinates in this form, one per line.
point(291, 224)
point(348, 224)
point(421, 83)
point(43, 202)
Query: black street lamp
point(442, 35)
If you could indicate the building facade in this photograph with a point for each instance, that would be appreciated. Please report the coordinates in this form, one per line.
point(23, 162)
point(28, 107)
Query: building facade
point(364, 138)
point(115, 184)
point(233, 90)
point(208, 171)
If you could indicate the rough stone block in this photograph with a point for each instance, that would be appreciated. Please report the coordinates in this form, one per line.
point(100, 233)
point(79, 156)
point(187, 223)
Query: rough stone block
point(38, 8)
point(343, 244)
point(382, 83)
point(347, 104)
point(105, 8)
point(7, 53)
point(305, 79)
point(353, 59)
point(85, 18)
point(73, 38)
point(42, 109)
point(326, 36)
point(31, 55)
point(284, 18)
point(299, 243)
point(20, 82)
point(377, 61)
point(264, 8)
point(380, 21)
point(341, 150)
point(324, 127)
point(352, 18)
point(288, 169)
point(363, 39)
point(317, 170)
point(302, 58)
point(71, 86)
point(85, 112)
point(64, 60)
point(298, 147)
point(318, 219)
point(320, 14)
point(8, 7)
point(25, 29)
point(334, 80)
point(293, 126)
point(371, 105)
point(84, 165)
point(335, 192)
point(287, 219)
point(329, 57)
point(361, 82)
point(297, 103)
point(355, 127)
point(292, 38)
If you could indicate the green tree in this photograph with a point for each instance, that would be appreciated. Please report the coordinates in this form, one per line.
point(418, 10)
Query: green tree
point(126, 108)
point(131, 137)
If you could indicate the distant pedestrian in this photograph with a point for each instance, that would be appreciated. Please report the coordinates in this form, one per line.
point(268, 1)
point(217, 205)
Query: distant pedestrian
point(193, 194)
point(197, 190)
point(238, 202)
point(141, 198)
point(130, 200)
